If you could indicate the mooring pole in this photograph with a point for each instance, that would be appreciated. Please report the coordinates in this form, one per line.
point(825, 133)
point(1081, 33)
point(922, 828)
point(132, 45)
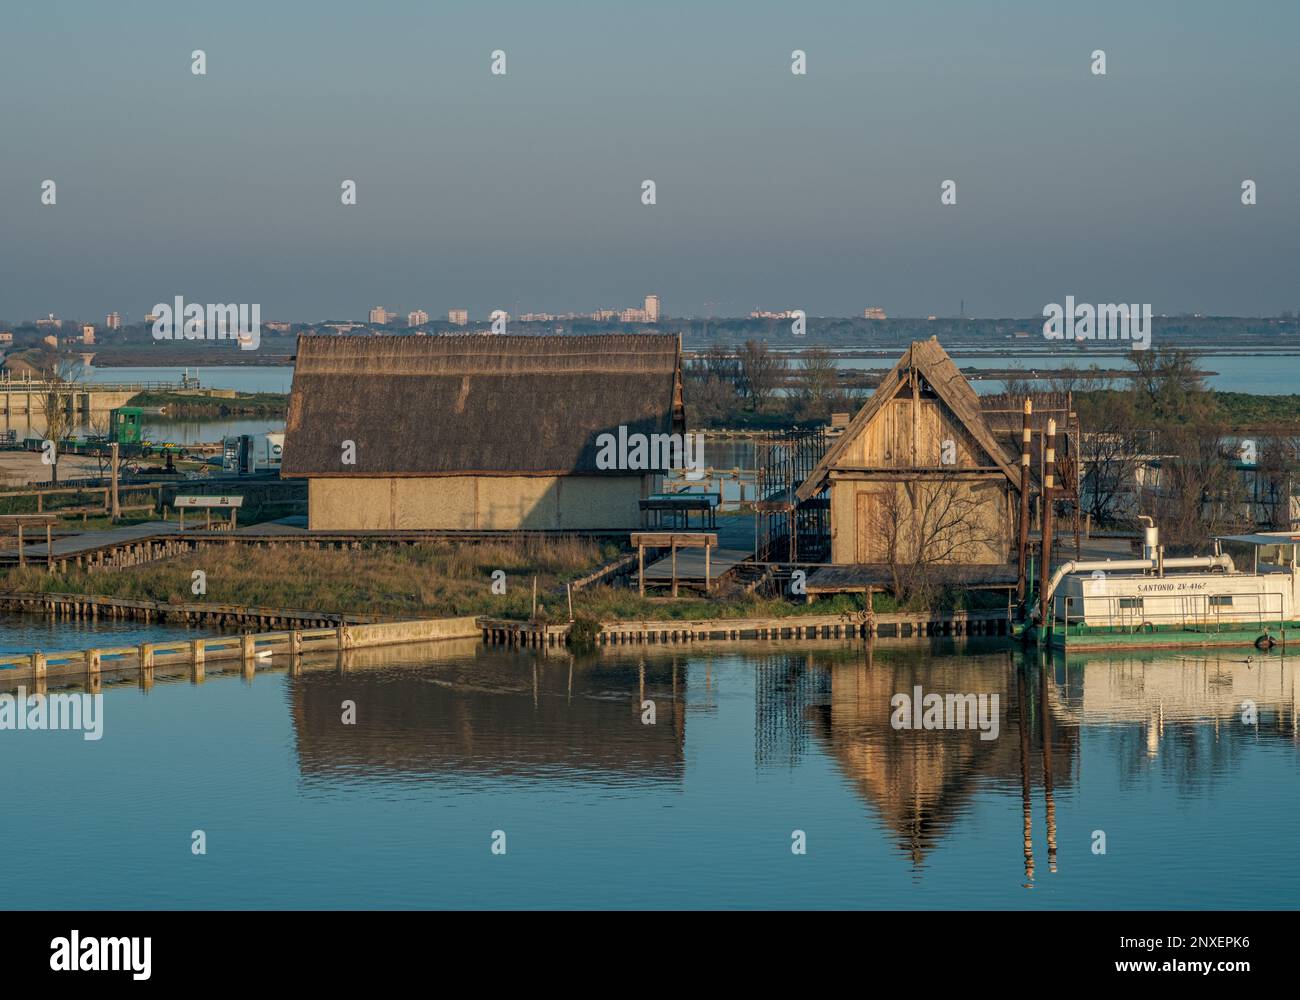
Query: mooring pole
point(1023, 549)
point(114, 507)
point(1045, 556)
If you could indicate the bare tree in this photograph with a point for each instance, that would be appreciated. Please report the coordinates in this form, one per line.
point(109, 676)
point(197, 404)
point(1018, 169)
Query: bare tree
point(1199, 491)
point(761, 371)
point(818, 387)
point(921, 526)
point(59, 400)
point(1278, 464)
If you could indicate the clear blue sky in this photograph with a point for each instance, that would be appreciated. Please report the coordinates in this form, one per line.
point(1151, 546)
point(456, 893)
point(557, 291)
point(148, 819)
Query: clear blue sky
point(818, 192)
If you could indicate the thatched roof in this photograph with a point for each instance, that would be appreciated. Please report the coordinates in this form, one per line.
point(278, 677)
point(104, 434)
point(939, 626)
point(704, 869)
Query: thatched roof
point(478, 405)
point(928, 359)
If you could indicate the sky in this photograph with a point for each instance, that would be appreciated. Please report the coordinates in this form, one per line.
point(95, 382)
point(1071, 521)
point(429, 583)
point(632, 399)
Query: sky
point(776, 191)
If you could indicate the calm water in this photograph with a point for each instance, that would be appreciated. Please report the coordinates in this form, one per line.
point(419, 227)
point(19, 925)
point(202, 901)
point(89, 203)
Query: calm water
point(244, 378)
point(25, 633)
point(1263, 374)
point(750, 743)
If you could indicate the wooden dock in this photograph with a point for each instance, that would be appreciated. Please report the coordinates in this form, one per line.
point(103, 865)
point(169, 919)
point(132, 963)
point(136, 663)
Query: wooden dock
point(91, 607)
point(249, 647)
point(134, 545)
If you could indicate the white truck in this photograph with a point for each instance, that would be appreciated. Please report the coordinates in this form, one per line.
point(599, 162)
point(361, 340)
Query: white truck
point(250, 454)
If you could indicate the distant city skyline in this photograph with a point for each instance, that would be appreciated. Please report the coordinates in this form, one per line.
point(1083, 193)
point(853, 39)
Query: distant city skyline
point(397, 315)
point(773, 191)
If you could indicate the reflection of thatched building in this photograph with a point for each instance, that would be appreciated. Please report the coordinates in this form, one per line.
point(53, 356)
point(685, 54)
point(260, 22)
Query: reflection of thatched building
point(922, 781)
point(477, 432)
point(493, 715)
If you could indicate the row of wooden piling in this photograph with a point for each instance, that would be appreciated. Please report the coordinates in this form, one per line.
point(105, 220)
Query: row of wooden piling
point(86, 607)
point(500, 632)
point(196, 652)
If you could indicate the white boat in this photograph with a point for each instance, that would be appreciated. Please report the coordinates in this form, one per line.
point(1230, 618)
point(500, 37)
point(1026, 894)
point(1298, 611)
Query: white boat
point(1196, 600)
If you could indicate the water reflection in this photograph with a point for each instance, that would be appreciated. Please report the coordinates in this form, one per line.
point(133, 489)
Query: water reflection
point(494, 714)
point(921, 782)
point(1179, 758)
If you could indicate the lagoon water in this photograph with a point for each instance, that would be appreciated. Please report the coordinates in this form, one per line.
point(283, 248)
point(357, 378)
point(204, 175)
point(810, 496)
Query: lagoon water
point(1274, 374)
point(751, 742)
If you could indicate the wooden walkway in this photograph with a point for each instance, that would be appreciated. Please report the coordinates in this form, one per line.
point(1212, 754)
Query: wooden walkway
point(92, 607)
point(113, 548)
point(248, 647)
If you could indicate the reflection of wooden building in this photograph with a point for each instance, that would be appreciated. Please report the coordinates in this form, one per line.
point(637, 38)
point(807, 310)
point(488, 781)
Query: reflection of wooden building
point(492, 715)
point(919, 468)
point(922, 782)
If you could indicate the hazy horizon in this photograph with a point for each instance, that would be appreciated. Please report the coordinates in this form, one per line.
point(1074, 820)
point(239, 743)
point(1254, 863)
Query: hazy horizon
point(774, 191)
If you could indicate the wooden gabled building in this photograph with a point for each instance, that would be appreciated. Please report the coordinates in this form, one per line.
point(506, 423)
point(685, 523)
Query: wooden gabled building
point(919, 468)
point(478, 433)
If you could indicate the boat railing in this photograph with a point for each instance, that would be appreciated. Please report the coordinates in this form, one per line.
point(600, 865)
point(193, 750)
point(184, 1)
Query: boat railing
point(1162, 612)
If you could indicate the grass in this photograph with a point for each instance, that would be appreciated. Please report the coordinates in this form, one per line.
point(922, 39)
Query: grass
point(432, 579)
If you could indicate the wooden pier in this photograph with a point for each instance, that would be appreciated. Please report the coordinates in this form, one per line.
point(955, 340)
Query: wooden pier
point(249, 647)
point(91, 607)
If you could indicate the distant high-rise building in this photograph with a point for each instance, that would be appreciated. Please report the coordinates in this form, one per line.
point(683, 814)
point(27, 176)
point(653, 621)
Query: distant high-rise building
point(87, 334)
point(652, 308)
point(875, 312)
point(113, 322)
point(417, 318)
point(379, 315)
point(458, 317)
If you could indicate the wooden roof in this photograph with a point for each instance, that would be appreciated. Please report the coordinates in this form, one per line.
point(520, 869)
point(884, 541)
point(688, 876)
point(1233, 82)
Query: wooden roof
point(477, 404)
point(933, 364)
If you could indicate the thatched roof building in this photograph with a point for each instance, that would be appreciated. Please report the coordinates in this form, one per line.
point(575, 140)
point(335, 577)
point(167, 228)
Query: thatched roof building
point(919, 470)
point(477, 432)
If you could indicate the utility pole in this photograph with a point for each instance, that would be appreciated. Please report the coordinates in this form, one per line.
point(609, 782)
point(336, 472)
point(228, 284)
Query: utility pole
point(115, 508)
point(1045, 555)
point(1023, 547)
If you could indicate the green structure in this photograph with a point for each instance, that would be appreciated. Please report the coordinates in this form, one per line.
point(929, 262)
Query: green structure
point(126, 425)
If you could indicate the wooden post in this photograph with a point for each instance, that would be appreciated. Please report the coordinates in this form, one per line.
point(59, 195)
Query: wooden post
point(674, 548)
point(234, 518)
point(38, 665)
point(568, 587)
point(534, 597)
point(93, 662)
point(115, 506)
point(1023, 548)
point(707, 548)
point(248, 646)
point(198, 650)
point(146, 656)
point(640, 562)
point(22, 559)
point(182, 518)
point(49, 549)
point(1045, 555)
